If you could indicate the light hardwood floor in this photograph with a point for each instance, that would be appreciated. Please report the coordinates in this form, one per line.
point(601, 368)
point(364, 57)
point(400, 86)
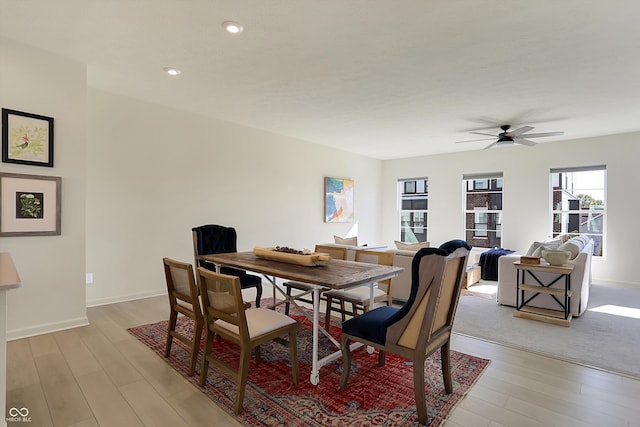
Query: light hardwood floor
point(99, 375)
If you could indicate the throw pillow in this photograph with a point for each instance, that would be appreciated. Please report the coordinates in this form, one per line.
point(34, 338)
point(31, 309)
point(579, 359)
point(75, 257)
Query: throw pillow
point(572, 246)
point(411, 246)
point(352, 241)
point(548, 244)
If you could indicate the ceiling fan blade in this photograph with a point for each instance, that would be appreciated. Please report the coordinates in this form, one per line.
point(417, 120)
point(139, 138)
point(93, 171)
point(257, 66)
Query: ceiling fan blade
point(482, 133)
point(520, 131)
point(490, 145)
point(525, 142)
point(475, 140)
point(540, 135)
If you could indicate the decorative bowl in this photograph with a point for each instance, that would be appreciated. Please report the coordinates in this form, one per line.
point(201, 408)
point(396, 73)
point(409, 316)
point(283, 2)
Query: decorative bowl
point(556, 257)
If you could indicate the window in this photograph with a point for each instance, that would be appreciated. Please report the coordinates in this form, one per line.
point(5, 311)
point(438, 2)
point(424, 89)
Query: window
point(579, 203)
point(483, 210)
point(414, 203)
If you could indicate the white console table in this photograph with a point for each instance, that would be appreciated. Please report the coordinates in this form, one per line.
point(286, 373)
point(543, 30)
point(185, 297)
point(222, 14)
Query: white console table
point(9, 279)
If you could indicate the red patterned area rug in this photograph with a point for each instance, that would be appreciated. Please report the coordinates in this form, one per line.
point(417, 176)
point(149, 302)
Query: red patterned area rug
point(376, 396)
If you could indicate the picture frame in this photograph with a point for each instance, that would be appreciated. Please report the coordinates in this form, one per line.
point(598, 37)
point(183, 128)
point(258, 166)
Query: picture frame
point(30, 205)
point(27, 138)
point(338, 200)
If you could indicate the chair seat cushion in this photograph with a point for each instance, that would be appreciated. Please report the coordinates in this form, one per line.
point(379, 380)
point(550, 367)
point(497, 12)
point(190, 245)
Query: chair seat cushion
point(361, 293)
point(371, 326)
point(260, 321)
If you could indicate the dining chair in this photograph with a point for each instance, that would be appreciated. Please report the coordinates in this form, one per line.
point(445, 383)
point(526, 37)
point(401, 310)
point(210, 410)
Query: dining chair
point(335, 253)
point(226, 317)
point(421, 326)
point(217, 239)
point(183, 299)
point(360, 297)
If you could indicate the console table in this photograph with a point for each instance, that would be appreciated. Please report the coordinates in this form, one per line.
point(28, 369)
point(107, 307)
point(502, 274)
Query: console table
point(562, 295)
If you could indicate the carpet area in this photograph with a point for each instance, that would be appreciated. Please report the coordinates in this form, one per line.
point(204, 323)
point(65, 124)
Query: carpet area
point(380, 396)
point(604, 337)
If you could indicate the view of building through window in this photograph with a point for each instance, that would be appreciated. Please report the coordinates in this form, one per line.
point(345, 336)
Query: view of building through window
point(579, 203)
point(414, 203)
point(483, 210)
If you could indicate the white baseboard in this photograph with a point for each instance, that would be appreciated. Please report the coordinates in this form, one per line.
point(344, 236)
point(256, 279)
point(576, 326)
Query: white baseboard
point(122, 298)
point(46, 328)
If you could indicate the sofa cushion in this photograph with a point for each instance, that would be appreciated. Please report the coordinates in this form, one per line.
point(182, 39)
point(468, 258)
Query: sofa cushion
point(411, 246)
point(353, 241)
point(574, 246)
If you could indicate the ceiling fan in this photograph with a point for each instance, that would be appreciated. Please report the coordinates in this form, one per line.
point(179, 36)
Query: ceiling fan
point(517, 136)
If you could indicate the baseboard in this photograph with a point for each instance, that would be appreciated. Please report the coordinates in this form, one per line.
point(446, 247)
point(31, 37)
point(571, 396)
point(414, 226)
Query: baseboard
point(45, 328)
point(123, 298)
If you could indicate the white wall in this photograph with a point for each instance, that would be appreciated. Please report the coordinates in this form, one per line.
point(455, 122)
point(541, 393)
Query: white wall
point(526, 201)
point(52, 268)
point(153, 173)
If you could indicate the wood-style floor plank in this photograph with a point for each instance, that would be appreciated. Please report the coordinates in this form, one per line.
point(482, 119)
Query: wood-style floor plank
point(100, 375)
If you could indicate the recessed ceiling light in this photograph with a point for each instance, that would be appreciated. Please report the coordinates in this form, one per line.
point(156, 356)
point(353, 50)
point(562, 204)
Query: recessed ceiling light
point(232, 27)
point(171, 71)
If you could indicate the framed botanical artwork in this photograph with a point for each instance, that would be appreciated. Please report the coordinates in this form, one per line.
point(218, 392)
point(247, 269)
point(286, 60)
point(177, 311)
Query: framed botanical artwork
point(338, 200)
point(27, 138)
point(29, 205)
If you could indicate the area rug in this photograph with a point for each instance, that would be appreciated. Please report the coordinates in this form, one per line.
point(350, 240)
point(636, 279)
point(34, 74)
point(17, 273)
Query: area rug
point(603, 337)
point(380, 396)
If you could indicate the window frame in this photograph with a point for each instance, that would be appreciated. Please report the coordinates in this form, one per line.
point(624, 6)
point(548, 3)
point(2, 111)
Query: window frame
point(561, 217)
point(417, 224)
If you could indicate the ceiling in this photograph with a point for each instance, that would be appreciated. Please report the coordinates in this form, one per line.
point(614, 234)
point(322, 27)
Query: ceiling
point(383, 78)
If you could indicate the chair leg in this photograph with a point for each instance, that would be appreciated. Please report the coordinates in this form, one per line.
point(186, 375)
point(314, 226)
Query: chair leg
point(346, 362)
point(418, 390)
point(342, 311)
point(287, 303)
point(243, 371)
point(206, 354)
point(445, 357)
point(327, 319)
point(173, 317)
point(257, 351)
point(195, 346)
point(258, 295)
point(293, 354)
point(381, 357)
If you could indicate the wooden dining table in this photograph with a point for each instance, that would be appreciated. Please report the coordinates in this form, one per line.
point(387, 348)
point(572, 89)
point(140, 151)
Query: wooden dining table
point(335, 274)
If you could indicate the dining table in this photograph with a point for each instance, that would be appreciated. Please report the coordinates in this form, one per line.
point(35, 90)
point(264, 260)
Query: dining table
point(334, 274)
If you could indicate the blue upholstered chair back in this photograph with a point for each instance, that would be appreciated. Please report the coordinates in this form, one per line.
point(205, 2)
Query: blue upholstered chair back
point(215, 239)
point(450, 246)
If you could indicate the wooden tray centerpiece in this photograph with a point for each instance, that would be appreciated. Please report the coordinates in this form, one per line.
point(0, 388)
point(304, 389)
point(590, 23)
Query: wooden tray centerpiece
point(292, 256)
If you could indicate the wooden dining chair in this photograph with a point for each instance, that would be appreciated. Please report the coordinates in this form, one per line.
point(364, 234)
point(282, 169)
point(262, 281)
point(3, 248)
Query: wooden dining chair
point(335, 253)
point(359, 297)
point(183, 299)
point(421, 326)
point(225, 316)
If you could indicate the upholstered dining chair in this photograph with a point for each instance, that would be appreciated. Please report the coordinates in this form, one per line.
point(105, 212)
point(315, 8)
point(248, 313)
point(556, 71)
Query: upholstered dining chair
point(183, 299)
point(225, 316)
point(334, 252)
point(217, 239)
point(360, 297)
point(421, 326)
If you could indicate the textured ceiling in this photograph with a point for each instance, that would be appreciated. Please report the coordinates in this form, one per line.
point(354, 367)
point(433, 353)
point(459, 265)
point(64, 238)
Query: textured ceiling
point(387, 79)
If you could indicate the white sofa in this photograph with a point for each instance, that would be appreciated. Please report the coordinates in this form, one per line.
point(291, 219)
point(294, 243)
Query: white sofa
point(351, 249)
point(580, 277)
point(401, 284)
